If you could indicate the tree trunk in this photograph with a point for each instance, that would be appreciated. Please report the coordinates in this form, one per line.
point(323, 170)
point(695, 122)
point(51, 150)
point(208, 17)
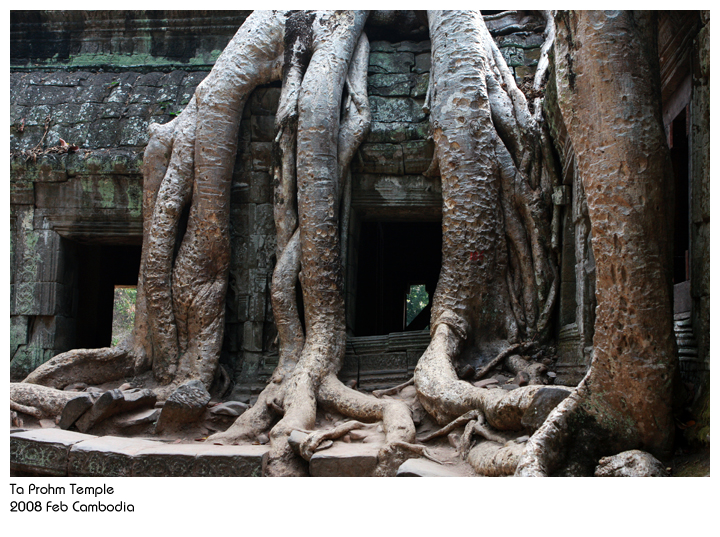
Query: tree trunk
point(485, 183)
point(608, 82)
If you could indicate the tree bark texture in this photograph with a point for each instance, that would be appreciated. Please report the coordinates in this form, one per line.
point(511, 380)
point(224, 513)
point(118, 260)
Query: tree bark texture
point(608, 83)
point(494, 279)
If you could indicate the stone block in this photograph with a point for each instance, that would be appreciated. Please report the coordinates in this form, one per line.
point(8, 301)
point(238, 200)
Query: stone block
point(242, 311)
point(532, 56)
point(248, 372)
point(200, 460)
point(561, 195)
point(102, 133)
point(522, 72)
point(345, 460)
point(417, 156)
point(349, 369)
point(46, 331)
point(63, 332)
point(385, 362)
point(240, 198)
point(416, 47)
point(395, 132)
point(264, 219)
point(514, 56)
point(74, 409)
point(264, 101)
point(18, 332)
point(421, 86)
point(108, 403)
point(423, 62)
point(543, 402)
point(115, 402)
point(141, 417)
point(26, 359)
point(425, 468)
point(379, 159)
point(701, 326)
point(261, 189)
point(407, 193)
point(185, 405)
point(51, 168)
point(412, 359)
point(526, 40)
point(38, 298)
point(393, 109)
point(43, 451)
point(144, 110)
point(133, 132)
point(261, 156)
point(381, 46)
point(256, 306)
point(230, 461)
point(48, 256)
point(252, 336)
point(384, 62)
point(22, 194)
point(681, 297)
point(262, 128)
point(700, 260)
point(108, 456)
point(634, 463)
point(391, 84)
point(165, 460)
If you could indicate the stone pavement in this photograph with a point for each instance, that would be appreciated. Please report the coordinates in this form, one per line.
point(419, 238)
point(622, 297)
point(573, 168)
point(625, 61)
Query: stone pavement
point(56, 452)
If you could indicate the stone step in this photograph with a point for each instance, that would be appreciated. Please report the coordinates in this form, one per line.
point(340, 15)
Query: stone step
point(425, 468)
point(56, 452)
point(43, 451)
point(345, 460)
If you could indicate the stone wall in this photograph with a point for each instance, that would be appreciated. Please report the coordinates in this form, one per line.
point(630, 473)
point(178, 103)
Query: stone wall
point(700, 201)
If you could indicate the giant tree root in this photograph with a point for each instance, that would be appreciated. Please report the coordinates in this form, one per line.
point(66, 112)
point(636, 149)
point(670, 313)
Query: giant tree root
point(39, 401)
point(493, 459)
point(91, 366)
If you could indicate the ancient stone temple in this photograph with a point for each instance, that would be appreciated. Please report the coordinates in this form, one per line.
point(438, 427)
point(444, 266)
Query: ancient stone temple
point(86, 85)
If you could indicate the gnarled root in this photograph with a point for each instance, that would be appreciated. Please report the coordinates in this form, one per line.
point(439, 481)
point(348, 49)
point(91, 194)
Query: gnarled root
point(490, 458)
point(445, 396)
point(38, 401)
point(91, 366)
point(394, 389)
point(314, 439)
point(395, 415)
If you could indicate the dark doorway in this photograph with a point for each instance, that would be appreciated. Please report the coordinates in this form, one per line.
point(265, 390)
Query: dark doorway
point(392, 257)
point(101, 267)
